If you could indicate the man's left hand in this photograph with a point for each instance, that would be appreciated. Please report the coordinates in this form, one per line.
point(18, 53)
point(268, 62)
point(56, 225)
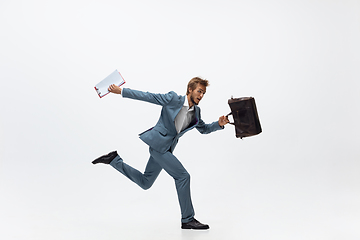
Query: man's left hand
point(223, 121)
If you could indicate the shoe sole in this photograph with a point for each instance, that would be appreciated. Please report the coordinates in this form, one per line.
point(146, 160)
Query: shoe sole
point(189, 228)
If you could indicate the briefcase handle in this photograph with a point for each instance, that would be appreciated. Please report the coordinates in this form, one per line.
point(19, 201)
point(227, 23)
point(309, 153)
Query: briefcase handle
point(242, 124)
point(229, 115)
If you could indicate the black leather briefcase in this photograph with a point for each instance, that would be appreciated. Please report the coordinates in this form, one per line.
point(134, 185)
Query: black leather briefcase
point(246, 119)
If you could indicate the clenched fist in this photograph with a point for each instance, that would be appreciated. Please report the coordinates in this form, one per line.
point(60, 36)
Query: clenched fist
point(223, 121)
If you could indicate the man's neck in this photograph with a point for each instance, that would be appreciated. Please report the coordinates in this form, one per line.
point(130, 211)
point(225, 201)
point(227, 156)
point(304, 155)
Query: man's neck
point(189, 101)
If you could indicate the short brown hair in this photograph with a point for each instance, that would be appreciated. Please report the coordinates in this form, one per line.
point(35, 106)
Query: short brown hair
point(194, 82)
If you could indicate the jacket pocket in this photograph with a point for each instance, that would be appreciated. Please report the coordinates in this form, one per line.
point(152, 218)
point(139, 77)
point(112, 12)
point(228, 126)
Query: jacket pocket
point(145, 131)
point(161, 130)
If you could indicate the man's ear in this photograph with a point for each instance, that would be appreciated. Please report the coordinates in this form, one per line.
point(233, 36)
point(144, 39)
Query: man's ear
point(190, 90)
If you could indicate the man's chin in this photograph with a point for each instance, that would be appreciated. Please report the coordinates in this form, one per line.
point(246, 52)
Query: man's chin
point(193, 101)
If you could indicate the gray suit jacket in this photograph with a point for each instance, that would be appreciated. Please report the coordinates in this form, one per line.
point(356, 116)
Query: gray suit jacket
point(163, 136)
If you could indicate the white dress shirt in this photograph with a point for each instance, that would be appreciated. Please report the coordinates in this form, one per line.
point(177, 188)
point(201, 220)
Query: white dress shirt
point(184, 117)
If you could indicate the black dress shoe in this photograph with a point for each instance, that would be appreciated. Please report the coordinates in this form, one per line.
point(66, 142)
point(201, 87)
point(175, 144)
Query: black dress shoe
point(194, 224)
point(106, 159)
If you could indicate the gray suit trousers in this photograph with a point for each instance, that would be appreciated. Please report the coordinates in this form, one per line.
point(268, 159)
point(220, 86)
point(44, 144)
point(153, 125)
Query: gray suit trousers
point(156, 163)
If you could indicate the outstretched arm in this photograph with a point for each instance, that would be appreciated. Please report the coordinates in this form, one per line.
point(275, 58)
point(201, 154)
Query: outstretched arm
point(204, 128)
point(156, 98)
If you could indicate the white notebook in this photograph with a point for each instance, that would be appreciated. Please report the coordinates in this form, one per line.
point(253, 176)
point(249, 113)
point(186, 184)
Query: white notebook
point(114, 78)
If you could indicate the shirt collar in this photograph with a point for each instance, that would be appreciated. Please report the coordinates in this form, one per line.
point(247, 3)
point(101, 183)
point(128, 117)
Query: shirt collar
point(186, 104)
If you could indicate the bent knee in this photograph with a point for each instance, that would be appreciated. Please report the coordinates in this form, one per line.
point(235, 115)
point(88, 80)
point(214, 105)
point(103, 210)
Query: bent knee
point(185, 176)
point(146, 186)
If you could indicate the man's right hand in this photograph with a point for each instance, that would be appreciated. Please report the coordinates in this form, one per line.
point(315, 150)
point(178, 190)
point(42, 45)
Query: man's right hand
point(114, 89)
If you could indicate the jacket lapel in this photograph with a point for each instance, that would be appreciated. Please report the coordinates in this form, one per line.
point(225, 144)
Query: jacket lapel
point(180, 104)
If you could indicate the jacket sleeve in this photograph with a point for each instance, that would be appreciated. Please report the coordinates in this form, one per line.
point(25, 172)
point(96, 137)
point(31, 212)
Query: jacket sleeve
point(155, 98)
point(204, 128)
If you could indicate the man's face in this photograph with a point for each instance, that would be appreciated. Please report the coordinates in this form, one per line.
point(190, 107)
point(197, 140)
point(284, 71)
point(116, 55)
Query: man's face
point(197, 94)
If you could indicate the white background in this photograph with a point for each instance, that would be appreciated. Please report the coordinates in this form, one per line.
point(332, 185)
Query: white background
point(299, 179)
